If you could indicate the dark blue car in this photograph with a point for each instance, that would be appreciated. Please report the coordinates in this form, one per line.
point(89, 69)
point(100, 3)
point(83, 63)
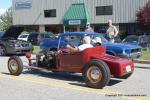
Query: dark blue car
point(75, 39)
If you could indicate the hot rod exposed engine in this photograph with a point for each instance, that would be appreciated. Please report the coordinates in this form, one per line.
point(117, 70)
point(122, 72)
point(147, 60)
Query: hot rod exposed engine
point(46, 59)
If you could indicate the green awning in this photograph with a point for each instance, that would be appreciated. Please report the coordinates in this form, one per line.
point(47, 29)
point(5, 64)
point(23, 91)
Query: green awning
point(78, 14)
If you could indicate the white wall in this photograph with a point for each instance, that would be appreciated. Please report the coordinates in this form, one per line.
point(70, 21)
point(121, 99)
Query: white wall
point(124, 11)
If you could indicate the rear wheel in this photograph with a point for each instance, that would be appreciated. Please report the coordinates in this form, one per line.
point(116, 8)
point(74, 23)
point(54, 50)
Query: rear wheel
point(15, 65)
point(2, 50)
point(96, 74)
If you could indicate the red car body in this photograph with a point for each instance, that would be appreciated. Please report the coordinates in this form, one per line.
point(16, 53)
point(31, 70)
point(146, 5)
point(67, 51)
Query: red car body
point(75, 62)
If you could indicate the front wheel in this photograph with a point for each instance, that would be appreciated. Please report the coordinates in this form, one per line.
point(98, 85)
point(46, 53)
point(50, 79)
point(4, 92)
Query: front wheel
point(15, 65)
point(96, 74)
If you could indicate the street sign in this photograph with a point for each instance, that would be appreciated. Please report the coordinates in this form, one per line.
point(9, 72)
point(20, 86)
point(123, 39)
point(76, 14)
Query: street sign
point(23, 5)
point(74, 22)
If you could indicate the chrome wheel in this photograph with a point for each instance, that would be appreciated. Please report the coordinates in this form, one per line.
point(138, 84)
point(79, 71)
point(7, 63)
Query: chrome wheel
point(13, 66)
point(94, 74)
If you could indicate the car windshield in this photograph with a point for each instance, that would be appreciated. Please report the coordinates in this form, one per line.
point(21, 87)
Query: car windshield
point(47, 35)
point(131, 39)
point(23, 36)
point(74, 40)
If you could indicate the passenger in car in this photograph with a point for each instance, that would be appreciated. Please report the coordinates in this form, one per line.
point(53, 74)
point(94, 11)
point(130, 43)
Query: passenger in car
point(86, 44)
point(97, 41)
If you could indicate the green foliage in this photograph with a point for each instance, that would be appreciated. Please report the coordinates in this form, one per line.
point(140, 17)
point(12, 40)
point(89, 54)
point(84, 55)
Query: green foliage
point(36, 49)
point(146, 55)
point(122, 35)
point(143, 18)
point(24, 32)
point(6, 19)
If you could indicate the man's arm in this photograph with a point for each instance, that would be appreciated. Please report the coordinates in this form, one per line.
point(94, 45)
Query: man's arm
point(72, 49)
point(116, 31)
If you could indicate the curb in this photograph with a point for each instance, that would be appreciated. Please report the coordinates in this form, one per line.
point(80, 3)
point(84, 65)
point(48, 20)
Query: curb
point(142, 61)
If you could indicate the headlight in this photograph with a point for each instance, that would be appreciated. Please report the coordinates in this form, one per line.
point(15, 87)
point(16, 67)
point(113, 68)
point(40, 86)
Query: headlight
point(11, 44)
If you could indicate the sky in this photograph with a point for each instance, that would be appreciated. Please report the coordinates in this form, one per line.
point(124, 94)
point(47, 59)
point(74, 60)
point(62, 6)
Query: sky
point(4, 4)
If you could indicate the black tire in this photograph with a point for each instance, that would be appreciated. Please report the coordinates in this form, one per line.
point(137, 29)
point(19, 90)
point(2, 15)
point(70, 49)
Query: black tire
point(100, 67)
point(2, 51)
point(15, 65)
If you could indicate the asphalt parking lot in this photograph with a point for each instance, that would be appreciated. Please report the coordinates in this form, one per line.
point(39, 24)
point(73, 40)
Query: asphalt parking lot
point(36, 85)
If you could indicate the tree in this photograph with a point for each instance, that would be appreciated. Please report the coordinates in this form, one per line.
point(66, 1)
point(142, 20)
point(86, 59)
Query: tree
point(6, 20)
point(143, 18)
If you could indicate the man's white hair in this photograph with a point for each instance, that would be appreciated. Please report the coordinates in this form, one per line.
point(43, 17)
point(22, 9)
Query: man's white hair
point(110, 21)
point(87, 39)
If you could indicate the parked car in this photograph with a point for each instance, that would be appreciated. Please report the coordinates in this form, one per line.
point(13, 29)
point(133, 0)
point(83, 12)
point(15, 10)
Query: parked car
point(23, 37)
point(35, 38)
point(75, 39)
point(9, 43)
point(96, 66)
point(142, 40)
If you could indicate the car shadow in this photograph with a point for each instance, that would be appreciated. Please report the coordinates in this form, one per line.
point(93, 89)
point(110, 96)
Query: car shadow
point(73, 79)
point(111, 83)
point(57, 75)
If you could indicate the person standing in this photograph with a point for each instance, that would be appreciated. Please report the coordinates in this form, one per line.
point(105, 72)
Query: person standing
point(89, 28)
point(111, 32)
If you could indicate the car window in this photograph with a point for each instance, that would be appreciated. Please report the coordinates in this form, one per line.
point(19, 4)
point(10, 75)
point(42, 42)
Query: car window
point(23, 36)
point(47, 35)
point(33, 35)
point(131, 39)
point(144, 39)
point(42, 36)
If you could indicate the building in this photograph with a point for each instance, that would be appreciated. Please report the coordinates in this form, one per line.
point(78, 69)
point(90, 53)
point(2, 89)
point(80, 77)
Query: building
point(73, 15)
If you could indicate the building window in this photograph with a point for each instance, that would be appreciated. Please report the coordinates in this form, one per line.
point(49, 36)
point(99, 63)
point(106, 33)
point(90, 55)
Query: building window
point(50, 13)
point(104, 10)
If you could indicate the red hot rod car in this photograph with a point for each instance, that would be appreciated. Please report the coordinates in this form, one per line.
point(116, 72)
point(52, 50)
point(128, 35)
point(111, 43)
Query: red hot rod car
point(95, 65)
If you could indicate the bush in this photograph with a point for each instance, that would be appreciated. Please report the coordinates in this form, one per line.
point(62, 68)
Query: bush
point(122, 35)
point(143, 18)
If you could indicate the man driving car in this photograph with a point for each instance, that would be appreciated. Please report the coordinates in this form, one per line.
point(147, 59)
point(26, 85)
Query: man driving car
point(86, 44)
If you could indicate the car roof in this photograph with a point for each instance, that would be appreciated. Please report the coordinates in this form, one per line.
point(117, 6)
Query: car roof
point(79, 33)
point(23, 34)
point(40, 33)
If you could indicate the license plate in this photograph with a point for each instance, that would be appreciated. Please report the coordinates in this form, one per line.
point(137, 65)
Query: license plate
point(128, 68)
